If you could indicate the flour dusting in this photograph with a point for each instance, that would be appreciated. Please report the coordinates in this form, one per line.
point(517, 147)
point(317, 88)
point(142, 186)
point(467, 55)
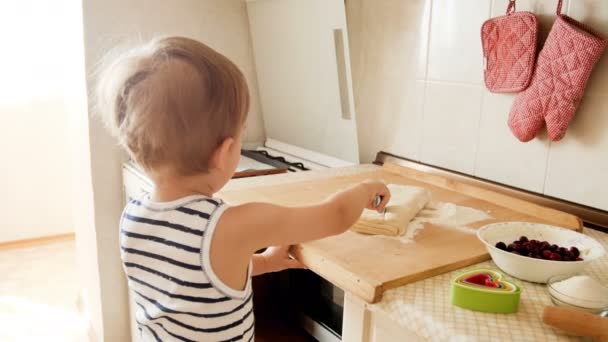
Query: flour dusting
point(445, 214)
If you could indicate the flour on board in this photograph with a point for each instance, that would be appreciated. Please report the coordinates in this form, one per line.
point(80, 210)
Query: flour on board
point(445, 214)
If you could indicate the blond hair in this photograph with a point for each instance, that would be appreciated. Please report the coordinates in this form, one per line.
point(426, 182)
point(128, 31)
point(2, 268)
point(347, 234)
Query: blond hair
point(172, 102)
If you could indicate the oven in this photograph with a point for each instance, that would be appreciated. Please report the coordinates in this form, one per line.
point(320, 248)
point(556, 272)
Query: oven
point(307, 300)
point(314, 304)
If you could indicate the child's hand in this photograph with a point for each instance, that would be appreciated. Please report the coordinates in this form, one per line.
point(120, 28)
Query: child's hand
point(277, 259)
point(376, 189)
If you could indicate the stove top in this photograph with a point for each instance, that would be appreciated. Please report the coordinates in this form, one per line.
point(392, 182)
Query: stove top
point(279, 162)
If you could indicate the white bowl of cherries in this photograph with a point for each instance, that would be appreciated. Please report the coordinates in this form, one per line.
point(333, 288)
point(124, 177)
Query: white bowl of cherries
point(536, 252)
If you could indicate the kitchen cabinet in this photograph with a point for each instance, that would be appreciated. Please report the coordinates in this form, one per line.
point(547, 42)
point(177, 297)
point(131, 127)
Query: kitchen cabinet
point(303, 67)
point(362, 324)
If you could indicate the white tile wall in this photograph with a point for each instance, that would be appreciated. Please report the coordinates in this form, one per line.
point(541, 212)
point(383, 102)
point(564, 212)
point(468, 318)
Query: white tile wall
point(455, 45)
point(503, 158)
point(388, 46)
point(542, 8)
point(408, 135)
point(459, 125)
point(451, 125)
point(578, 165)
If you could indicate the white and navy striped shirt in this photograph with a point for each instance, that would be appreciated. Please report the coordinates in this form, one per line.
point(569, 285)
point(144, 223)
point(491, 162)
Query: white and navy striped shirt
point(165, 252)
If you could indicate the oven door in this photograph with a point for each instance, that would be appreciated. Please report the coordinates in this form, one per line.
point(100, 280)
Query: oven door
point(314, 304)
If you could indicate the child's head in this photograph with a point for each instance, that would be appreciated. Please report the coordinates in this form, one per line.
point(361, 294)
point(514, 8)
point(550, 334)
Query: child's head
point(176, 105)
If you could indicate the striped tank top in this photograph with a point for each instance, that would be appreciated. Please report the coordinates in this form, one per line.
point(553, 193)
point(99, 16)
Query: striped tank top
point(165, 252)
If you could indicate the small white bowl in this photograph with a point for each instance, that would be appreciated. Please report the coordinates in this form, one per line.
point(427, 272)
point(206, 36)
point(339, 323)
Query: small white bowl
point(562, 299)
point(537, 270)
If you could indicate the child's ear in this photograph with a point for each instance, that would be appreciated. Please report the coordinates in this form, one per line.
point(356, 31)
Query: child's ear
point(222, 154)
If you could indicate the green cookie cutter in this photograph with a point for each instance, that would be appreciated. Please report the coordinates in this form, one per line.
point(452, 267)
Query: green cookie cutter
point(498, 294)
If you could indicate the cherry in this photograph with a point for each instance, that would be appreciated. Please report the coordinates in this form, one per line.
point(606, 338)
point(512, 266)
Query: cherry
point(575, 251)
point(540, 250)
point(501, 245)
point(555, 256)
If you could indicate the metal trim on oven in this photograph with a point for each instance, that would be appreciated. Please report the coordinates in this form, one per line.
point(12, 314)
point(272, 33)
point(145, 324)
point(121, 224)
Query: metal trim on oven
point(591, 216)
point(317, 330)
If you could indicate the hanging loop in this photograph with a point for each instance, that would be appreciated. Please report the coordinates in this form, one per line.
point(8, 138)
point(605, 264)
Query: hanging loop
point(511, 7)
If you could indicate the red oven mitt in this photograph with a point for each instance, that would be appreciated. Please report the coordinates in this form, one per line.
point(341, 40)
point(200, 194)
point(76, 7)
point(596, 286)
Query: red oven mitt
point(558, 83)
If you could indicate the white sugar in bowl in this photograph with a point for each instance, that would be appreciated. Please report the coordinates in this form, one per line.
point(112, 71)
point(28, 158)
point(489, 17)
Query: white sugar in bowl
point(537, 270)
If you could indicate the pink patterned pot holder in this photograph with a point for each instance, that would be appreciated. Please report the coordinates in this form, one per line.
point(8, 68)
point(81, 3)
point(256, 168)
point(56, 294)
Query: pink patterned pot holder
point(509, 49)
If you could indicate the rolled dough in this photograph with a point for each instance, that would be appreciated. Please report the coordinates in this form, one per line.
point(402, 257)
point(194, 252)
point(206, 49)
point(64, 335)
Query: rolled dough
point(406, 201)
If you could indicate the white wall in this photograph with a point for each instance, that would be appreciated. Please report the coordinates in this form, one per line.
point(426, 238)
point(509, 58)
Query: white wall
point(419, 93)
point(222, 25)
point(35, 174)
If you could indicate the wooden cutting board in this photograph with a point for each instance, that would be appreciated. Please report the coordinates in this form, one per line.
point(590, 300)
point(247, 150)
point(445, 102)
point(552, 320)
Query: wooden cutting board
point(368, 265)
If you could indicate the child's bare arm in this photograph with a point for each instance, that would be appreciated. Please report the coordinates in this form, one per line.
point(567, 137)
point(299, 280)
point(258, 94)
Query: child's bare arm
point(259, 225)
point(245, 229)
point(273, 259)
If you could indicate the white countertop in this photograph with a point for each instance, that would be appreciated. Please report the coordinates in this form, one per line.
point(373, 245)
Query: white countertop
point(424, 308)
